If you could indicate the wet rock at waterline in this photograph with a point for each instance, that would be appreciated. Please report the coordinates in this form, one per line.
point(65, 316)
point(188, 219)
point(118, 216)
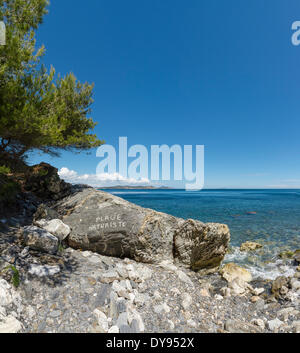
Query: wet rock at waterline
point(250, 246)
point(111, 226)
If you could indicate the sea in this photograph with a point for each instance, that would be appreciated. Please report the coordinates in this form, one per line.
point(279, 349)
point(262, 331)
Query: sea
point(269, 217)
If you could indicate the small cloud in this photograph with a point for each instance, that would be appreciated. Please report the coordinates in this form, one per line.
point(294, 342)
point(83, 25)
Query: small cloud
point(66, 173)
point(100, 180)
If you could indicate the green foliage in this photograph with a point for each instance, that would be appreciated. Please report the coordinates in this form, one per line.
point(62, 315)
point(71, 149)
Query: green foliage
point(4, 169)
point(61, 248)
point(15, 277)
point(39, 110)
point(8, 189)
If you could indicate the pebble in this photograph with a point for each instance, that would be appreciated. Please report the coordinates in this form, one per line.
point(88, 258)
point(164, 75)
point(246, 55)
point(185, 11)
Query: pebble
point(274, 324)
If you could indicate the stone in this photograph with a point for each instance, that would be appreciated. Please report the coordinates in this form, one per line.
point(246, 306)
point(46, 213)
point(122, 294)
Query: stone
point(122, 319)
point(259, 304)
point(204, 292)
point(113, 308)
point(279, 286)
point(254, 299)
point(56, 227)
point(5, 293)
point(258, 291)
point(238, 286)
point(231, 271)
point(186, 301)
point(39, 239)
point(184, 278)
point(274, 324)
point(135, 326)
point(135, 319)
point(109, 277)
point(103, 295)
point(112, 226)
point(297, 257)
point(295, 284)
point(161, 308)
point(250, 246)
point(120, 290)
point(296, 326)
point(126, 329)
point(55, 313)
point(114, 329)
point(191, 323)
point(259, 322)
point(236, 326)
point(10, 325)
point(226, 292)
point(168, 265)
point(218, 297)
point(101, 319)
point(121, 305)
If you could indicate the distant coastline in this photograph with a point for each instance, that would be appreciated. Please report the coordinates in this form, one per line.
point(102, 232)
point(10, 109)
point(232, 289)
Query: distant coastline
point(121, 187)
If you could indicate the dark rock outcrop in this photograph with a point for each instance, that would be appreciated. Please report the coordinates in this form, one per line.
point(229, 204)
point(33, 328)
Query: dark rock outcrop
point(111, 226)
point(43, 181)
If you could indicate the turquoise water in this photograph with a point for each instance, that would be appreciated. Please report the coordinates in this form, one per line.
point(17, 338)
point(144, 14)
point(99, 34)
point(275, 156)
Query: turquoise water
point(270, 217)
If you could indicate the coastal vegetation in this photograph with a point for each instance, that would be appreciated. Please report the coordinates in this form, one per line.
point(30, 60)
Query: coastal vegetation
point(40, 110)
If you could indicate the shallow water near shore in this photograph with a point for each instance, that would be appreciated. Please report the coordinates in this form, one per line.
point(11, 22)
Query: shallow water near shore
point(269, 217)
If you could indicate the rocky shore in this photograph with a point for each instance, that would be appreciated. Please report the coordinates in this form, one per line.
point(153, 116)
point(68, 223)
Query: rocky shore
point(73, 259)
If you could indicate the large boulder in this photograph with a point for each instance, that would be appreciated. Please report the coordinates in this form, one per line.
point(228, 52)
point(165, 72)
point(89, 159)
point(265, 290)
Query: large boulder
point(109, 225)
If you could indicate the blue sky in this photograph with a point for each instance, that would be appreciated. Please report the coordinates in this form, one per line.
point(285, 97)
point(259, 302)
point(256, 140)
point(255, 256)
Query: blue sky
point(223, 74)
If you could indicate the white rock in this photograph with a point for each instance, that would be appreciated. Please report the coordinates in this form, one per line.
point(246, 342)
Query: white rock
point(120, 290)
point(259, 322)
point(140, 298)
point(158, 309)
point(169, 266)
point(184, 278)
point(296, 326)
point(157, 296)
point(134, 315)
point(175, 291)
point(191, 323)
point(171, 324)
point(5, 293)
point(114, 329)
point(295, 285)
point(258, 291)
point(238, 286)
point(10, 325)
point(109, 277)
point(86, 253)
point(55, 227)
point(101, 319)
point(187, 301)
point(218, 297)
point(274, 324)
